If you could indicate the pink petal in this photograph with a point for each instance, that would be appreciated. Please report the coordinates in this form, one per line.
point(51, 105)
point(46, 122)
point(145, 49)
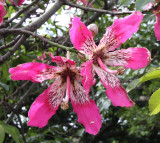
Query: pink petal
point(114, 90)
point(157, 24)
point(20, 2)
point(119, 96)
point(62, 60)
point(134, 58)
point(42, 57)
point(148, 6)
point(86, 109)
point(2, 12)
point(121, 30)
point(81, 37)
point(46, 104)
point(87, 74)
point(36, 72)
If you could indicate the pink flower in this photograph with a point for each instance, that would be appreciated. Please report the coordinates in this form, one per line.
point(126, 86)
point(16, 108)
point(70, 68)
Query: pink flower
point(19, 2)
point(67, 78)
point(157, 23)
point(104, 54)
point(2, 12)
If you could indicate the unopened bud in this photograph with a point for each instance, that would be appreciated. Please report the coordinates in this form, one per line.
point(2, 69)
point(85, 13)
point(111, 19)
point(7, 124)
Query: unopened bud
point(120, 71)
point(93, 28)
point(64, 105)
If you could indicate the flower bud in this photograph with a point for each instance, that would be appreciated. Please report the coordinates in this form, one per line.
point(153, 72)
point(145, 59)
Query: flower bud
point(93, 28)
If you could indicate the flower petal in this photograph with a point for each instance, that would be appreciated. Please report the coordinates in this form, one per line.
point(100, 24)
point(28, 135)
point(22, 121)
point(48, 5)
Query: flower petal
point(87, 74)
point(2, 12)
point(36, 72)
point(86, 109)
point(61, 61)
point(157, 24)
point(81, 37)
point(114, 90)
point(134, 58)
point(46, 104)
point(120, 31)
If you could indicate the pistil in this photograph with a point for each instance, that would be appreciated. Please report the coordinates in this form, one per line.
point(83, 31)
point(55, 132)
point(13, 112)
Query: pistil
point(105, 68)
point(64, 104)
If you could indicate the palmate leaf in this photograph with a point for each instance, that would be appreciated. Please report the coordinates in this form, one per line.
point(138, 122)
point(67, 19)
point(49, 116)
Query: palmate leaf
point(154, 102)
point(13, 131)
point(141, 4)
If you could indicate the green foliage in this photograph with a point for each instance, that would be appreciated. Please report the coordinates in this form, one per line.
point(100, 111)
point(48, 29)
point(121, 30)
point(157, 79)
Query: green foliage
point(2, 134)
point(141, 4)
point(13, 131)
point(133, 125)
point(126, 2)
point(153, 73)
point(154, 103)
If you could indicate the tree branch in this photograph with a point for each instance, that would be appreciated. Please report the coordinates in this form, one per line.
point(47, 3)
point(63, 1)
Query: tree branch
point(32, 27)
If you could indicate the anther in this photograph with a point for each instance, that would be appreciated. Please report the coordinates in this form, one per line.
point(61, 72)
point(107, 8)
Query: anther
point(64, 105)
point(120, 71)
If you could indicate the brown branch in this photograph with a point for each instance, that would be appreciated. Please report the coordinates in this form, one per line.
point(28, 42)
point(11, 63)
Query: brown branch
point(32, 27)
point(18, 14)
point(10, 43)
point(96, 10)
point(21, 102)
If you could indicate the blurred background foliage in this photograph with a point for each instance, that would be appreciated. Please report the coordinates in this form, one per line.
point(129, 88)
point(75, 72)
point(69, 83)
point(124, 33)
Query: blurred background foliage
point(120, 125)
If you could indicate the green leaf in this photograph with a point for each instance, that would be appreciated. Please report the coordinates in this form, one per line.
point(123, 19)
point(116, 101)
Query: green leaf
point(149, 17)
point(5, 86)
point(126, 2)
point(2, 134)
point(153, 74)
point(141, 4)
point(132, 85)
point(154, 102)
point(13, 131)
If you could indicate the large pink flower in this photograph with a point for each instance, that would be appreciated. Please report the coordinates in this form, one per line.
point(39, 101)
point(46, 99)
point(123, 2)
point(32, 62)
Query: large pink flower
point(100, 55)
point(67, 78)
point(2, 12)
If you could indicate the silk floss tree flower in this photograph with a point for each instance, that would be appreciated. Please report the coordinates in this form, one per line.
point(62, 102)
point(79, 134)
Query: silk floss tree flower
point(67, 78)
point(105, 54)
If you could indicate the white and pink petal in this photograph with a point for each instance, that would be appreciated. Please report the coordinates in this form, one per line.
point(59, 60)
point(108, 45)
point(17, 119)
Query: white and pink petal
point(81, 37)
point(46, 104)
point(36, 72)
point(88, 80)
point(157, 23)
point(120, 31)
point(86, 109)
point(114, 90)
point(62, 61)
point(134, 58)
